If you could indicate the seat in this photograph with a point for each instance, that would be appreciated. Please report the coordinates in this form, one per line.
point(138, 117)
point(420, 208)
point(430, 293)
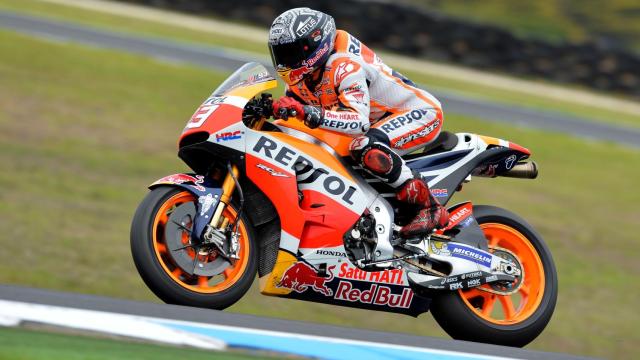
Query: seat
point(444, 142)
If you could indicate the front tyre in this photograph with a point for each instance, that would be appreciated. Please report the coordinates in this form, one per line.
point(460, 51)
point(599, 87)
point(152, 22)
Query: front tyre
point(496, 315)
point(152, 227)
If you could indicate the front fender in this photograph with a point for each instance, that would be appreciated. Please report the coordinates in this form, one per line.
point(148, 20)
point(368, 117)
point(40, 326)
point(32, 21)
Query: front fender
point(206, 190)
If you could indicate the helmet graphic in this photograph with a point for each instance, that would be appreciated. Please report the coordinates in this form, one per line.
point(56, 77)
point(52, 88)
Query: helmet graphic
point(300, 41)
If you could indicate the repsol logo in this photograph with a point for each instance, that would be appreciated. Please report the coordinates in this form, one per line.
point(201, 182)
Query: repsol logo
point(407, 118)
point(337, 124)
point(302, 166)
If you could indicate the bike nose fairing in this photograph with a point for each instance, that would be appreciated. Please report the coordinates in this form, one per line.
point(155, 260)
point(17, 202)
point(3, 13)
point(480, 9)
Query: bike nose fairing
point(219, 117)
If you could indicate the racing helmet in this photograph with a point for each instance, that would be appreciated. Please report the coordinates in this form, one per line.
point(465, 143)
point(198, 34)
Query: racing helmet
point(300, 42)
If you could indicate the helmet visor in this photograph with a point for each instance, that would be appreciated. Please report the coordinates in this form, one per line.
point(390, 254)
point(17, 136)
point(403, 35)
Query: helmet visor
point(291, 55)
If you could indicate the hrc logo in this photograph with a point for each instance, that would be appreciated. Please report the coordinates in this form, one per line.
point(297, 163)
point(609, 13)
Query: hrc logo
point(229, 136)
point(440, 192)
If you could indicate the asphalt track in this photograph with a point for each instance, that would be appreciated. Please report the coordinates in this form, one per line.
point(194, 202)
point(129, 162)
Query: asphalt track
point(226, 60)
point(173, 312)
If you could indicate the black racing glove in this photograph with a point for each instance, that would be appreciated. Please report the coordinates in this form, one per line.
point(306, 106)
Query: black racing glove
point(313, 116)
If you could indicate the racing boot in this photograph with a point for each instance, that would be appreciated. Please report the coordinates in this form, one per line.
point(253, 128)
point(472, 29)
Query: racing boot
point(432, 216)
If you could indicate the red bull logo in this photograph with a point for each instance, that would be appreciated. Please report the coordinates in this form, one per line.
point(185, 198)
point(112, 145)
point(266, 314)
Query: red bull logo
point(300, 276)
point(376, 294)
point(181, 179)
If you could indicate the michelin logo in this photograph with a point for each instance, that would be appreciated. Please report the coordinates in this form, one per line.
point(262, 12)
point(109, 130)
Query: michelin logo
point(476, 255)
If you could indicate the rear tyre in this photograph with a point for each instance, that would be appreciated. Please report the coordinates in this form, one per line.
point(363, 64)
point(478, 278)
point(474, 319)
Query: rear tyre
point(168, 278)
point(494, 316)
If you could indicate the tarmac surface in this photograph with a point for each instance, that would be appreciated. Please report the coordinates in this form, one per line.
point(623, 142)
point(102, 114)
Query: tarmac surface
point(207, 316)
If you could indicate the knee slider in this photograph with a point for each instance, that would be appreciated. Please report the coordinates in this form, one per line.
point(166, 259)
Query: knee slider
point(377, 161)
point(380, 160)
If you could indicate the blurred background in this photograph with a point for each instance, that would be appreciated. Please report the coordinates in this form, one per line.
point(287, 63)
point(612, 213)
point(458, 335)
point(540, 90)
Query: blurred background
point(87, 124)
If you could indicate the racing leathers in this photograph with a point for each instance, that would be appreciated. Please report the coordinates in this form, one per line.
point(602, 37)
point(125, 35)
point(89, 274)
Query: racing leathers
point(387, 114)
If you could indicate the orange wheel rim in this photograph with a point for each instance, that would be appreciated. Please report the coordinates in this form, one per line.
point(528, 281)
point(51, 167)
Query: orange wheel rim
point(519, 306)
point(195, 283)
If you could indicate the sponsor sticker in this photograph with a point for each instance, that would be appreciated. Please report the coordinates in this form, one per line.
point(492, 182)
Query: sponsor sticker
point(448, 280)
point(301, 276)
point(474, 282)
point(408, 118)
point(456, 286)
point(319, 53)
point(440, 192)
point(425, 131)
point(271, 171)
point(439, 248)
point(306, 25)
point(391, 276)
point(205, 203)
point(471, 275)
point(332, 184)
point(459, 215)
point(317, 35)
point(183, 178)
point(332, 253)
point(226, 136)
point(376, 294)
point(466, 222)
point(329, 122)
point(472, 254)
point(509, 162)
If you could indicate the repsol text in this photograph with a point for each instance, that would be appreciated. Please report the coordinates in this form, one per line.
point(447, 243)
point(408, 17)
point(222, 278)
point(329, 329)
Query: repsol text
point(302, 166)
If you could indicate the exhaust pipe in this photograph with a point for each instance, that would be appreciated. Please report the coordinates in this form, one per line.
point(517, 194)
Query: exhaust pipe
point(523, 170)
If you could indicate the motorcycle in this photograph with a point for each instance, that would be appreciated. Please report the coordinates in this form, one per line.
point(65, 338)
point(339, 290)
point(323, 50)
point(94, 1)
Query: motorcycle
point(285, 201)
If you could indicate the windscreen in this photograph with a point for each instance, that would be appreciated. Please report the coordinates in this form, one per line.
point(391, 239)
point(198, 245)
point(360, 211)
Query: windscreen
point(249, 74)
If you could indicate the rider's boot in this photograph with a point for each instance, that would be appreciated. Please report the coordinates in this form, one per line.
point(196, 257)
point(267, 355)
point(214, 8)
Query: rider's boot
point(432, 215)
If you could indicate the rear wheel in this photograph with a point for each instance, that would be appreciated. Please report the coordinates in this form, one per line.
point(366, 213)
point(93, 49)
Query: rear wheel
point(174, 268)
point(507, 314)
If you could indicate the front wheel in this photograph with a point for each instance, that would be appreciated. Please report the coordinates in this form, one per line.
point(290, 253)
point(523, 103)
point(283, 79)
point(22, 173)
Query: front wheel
point(512, 315)
point(175, 270)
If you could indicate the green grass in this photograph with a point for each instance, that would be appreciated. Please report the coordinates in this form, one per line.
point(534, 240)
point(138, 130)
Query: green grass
point(552, 20)
point(431, 82)
point(23, 344)
point(84, 131)
point(129, 24)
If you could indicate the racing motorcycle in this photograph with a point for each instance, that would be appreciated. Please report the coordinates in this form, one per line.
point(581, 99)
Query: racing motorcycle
point(285, 201)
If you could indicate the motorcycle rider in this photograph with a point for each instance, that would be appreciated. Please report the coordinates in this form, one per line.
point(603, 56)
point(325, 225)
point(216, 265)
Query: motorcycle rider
point(337, 83)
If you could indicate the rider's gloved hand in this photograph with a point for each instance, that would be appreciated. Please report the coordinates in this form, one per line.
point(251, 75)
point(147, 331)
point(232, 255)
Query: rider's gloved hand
point(313, 116)
point(288, 107)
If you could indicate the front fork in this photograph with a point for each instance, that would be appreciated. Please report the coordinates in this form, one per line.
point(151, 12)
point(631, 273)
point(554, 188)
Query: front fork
point(217, 230)
point(228, 186)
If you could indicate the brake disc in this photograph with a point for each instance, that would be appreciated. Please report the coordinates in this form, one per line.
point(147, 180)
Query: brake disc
point(501, 287)
point(181, 222)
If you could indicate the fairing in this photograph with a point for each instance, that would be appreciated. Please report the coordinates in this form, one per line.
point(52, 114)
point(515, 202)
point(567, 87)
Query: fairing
point(473, 155)
point(319, 197)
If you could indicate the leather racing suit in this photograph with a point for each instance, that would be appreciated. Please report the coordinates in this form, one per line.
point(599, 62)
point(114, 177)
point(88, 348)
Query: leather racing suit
point(387, 114)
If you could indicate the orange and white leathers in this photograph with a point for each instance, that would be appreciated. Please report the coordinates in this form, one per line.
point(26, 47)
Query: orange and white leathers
point(360, 94)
